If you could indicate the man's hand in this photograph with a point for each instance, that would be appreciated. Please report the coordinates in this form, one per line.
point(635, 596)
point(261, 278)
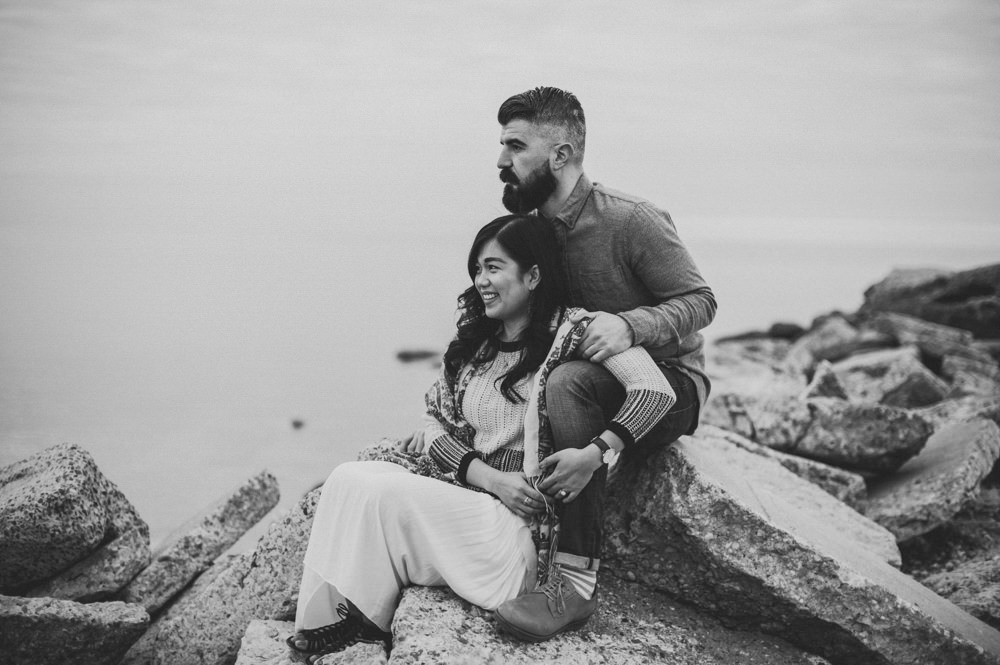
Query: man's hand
point(571, 470)
point(606, 336)
point(411, 444)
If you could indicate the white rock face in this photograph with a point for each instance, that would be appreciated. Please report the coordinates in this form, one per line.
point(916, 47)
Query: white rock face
point(933, 486)
point(696, 524)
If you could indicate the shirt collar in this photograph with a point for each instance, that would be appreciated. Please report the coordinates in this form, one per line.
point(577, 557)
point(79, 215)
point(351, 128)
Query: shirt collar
point(571, 209)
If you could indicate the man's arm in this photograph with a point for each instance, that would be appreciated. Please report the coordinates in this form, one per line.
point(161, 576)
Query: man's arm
point(657, 256)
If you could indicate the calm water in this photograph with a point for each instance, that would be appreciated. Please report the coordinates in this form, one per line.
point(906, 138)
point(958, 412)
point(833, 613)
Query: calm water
point(220, 217)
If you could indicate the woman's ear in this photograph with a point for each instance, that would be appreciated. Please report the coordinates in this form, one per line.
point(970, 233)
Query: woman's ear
point(534, 277)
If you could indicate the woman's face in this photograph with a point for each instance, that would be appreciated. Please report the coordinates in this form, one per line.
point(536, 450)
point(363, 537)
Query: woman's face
point(504, 287)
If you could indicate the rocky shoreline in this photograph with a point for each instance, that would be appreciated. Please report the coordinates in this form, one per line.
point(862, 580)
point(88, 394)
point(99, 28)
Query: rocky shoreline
point(839, 504)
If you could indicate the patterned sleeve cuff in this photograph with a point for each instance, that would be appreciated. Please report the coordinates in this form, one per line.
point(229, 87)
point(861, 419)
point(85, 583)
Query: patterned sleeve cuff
point(623, 432)
point(463, 466)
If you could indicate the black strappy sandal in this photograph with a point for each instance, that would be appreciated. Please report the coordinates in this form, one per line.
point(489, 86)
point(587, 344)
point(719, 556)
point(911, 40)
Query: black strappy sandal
point(336, 636)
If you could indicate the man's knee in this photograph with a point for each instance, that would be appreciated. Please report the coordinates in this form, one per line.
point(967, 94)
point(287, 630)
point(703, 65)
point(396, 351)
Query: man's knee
point(583, 381)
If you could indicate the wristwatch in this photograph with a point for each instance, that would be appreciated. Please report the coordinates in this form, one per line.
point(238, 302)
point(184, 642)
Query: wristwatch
point(608, 454)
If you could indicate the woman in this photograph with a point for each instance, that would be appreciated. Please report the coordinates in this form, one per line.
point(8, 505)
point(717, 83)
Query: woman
point(385, 524)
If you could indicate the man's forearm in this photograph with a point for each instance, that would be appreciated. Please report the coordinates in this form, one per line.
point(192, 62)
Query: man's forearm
point(671, 320)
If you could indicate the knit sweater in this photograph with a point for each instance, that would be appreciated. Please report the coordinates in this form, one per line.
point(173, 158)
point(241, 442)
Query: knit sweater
point(499, 423)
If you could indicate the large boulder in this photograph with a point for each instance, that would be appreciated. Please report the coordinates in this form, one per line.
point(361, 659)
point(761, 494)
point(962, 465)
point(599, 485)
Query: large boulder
point(260, 584)
point(43, 631)
point(830, 338)
point(843, 485)
point(972, 585)
point(873, 438)
point(824, 383)
point(694, 523)
point(143, 652)
point(62, 519)
point(965, 408)
point(936, 484)
point(892, 376)
point(969, 299)
point(870, 438)
point(433, 626)
point(935, 341)
point(971, 376)
point(212, 533)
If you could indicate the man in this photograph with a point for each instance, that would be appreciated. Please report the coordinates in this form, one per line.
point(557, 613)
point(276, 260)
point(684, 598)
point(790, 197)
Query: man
point(627, 266)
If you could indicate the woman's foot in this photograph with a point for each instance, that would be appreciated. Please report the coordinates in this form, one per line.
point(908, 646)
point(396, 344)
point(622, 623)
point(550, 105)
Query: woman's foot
point(337, 636)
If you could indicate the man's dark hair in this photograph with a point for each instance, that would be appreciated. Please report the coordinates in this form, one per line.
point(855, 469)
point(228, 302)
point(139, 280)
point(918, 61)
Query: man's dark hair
point(549, 107)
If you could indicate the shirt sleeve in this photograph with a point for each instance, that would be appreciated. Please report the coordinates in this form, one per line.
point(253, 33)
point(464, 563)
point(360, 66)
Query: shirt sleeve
point(448, 452)
point(648, 394)
point(656, 254)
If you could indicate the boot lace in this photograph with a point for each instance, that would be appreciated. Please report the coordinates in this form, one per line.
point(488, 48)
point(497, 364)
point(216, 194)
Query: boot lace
point(553, 589)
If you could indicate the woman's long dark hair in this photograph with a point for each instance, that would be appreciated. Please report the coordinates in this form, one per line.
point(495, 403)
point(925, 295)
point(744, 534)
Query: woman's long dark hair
point(530, 241)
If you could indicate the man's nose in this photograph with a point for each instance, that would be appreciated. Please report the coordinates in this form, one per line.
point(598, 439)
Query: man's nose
point(503, 161)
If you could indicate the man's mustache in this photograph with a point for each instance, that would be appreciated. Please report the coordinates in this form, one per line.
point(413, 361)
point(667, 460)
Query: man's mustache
point(508, 176)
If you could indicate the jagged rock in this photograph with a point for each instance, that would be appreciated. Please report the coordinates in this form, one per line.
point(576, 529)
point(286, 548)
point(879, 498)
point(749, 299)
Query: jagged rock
point(778, 421)
point(825, 383)
point(433, 626)
point(974, 586)
point(143, 652)
point(962, 409)
point(56, 510)
point(831, 338)
point(40, 631)
point(193, 552)
point(873, 438)
point(934, 340)
point(264, 644)
point(970, 376)
point(765, 477)
point(893, 376)
point(969, 299)
point(260, 584)
point(867, 437)
point(747, 365)
point(826, 340)
point(933, 486)
point(990, 347)
point(903, 283)
point(838, 483)
point(690, 525)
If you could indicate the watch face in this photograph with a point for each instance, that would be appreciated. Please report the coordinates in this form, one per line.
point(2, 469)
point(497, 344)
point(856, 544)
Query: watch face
point(610, 456)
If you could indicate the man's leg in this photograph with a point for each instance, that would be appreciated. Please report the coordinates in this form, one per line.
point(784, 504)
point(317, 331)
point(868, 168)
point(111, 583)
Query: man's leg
point(582, 397)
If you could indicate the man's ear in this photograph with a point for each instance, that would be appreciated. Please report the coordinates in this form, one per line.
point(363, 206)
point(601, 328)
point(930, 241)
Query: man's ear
point(561, 155)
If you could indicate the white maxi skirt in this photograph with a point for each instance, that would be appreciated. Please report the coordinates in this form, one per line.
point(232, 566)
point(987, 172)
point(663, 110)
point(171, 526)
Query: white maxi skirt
point(378, 528)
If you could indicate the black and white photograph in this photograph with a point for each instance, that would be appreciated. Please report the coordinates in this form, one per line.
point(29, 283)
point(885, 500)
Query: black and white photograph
point(499, 332)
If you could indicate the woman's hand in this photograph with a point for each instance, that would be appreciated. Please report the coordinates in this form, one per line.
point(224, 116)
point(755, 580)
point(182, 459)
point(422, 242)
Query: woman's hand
point(512, 488)
point(411, 444)
point(570, 471)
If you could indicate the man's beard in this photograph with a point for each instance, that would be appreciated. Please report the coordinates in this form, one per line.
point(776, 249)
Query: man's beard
point(531, 192)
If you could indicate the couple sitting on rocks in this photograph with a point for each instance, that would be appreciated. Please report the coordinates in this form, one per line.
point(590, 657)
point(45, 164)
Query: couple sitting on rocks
point(500, 495)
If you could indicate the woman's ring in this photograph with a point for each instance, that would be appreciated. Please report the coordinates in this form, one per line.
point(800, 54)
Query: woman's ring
point(525, 502)
point(563, 493)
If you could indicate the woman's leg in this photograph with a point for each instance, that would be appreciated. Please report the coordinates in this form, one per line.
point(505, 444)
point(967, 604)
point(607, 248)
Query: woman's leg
point(379, 528)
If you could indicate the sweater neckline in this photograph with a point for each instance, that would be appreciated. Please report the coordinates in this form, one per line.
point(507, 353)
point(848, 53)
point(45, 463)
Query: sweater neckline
point(509, 347)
